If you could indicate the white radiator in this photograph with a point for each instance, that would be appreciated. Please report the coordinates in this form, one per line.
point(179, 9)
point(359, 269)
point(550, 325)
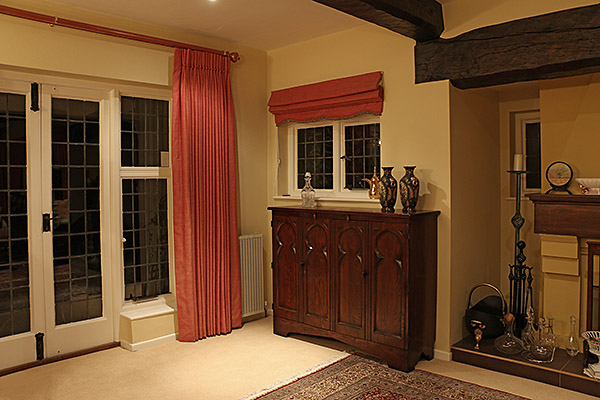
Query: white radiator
point(251, 260)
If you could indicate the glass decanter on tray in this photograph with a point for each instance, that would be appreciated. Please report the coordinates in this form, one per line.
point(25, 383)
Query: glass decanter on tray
point(529, 333)
point(509, 343)
point(542, 350)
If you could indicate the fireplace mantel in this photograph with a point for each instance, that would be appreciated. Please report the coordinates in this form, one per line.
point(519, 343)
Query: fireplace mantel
point(571, 215)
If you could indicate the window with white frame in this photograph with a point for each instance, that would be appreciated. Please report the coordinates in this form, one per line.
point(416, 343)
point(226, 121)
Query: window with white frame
point(527, 143)
point(145, 174)
point(339, 155)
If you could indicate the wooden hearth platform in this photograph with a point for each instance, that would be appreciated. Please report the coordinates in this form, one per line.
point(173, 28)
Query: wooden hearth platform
point(565, 371)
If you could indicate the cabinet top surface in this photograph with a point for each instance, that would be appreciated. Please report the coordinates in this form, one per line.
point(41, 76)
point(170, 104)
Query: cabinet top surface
point(353, 210)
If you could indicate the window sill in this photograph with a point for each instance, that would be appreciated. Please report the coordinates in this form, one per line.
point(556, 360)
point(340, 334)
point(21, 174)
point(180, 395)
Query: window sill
point(332, 199)
point(153, 308)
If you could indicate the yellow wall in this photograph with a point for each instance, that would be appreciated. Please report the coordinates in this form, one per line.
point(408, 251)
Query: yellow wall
point(475, 206)
point(33, 46)
point(461, 16)
point(414, 124)
point(570, 124)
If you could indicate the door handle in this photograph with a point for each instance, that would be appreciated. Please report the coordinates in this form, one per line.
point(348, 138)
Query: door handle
point(46, 218)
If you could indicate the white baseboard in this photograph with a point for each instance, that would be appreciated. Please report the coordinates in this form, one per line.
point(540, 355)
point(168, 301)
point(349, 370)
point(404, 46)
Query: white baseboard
point(442, 355)
point(148, 343)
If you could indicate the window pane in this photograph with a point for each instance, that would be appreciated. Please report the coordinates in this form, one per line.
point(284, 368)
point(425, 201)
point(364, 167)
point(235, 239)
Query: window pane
point(533, 160)
point(145, 229)
point(76, 219)
point(144, 131)
point(315, 155)
point(361, 143)
point(14, 265)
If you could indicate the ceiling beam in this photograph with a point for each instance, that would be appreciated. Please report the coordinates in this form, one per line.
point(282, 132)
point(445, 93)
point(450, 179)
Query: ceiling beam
point(556, 45)
point(421, 20)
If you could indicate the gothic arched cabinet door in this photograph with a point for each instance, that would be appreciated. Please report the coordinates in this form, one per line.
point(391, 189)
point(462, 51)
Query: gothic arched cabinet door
point(285, 267)
point(314, 272)
point(389, 284)
point(350, 277)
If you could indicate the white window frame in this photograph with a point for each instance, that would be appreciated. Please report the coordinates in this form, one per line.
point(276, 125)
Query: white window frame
point(339, 167)
point(113, 189)
point(520, 137)
point(163, 172)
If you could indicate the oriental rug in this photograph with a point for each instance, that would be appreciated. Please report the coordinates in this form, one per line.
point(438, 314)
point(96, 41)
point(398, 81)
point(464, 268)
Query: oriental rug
point(359, 378)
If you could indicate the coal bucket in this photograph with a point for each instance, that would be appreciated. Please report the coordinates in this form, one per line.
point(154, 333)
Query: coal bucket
point(489, 312)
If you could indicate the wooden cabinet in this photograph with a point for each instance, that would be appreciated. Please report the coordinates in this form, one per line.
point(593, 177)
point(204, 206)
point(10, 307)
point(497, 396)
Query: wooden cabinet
point(359, 276)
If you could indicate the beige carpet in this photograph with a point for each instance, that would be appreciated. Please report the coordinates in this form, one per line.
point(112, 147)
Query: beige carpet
point(219, 368)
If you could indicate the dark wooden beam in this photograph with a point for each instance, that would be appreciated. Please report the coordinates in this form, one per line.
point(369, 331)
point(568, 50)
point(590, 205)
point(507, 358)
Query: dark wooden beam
point(555, 45)
point(418, 19)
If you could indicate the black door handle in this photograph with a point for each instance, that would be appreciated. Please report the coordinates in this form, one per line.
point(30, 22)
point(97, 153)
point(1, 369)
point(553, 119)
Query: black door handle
point(46, 218)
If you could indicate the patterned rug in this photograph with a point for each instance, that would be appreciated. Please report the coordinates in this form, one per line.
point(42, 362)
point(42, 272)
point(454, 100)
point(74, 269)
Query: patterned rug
point(359, 378)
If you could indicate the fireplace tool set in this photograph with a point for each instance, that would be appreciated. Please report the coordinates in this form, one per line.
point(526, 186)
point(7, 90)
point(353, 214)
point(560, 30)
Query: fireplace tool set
point(535, 341)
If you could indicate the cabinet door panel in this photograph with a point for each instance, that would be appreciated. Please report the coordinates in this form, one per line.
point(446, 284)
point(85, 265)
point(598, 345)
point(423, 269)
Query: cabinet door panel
point(389, 247)
point(315, 274)
point(285, 267)
point(349, 278)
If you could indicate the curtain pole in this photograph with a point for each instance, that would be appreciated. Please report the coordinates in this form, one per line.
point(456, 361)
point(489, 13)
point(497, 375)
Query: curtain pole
point(67, 23)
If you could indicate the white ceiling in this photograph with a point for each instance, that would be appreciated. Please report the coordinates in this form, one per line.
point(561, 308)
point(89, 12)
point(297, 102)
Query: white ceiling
point(261, 24)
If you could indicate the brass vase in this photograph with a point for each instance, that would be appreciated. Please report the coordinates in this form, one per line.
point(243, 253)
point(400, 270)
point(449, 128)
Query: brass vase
point(388, 190)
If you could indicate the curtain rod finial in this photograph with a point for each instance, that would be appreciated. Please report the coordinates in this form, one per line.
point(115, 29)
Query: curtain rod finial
point(234, 56)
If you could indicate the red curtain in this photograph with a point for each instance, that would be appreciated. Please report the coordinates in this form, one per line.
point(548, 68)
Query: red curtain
point(334, 99)
point(207, 265)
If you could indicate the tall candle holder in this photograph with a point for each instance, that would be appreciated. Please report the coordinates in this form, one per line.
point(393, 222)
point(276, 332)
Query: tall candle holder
point(520, 278)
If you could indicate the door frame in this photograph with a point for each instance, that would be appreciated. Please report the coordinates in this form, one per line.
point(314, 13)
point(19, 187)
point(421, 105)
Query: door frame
point(20, 348)
point(87, 333)
point(22, 78)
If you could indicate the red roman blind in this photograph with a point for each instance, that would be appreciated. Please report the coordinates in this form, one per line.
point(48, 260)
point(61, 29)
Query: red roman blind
point(337, 98)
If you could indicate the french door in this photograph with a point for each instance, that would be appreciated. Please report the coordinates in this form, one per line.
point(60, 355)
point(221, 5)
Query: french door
point(54, 254)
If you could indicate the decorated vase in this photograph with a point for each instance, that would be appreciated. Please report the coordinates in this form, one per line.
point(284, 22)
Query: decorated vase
point(388, 190)
point(409, 189)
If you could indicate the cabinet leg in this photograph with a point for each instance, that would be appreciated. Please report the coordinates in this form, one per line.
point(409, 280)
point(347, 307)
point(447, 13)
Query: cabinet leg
point(280, 328)
point(401, 365)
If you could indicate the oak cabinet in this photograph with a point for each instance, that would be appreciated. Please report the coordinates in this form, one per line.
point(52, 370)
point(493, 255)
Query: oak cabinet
point(359, 276)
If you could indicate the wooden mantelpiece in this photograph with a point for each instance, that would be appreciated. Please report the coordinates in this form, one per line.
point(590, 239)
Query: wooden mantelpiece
point(570, 215)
